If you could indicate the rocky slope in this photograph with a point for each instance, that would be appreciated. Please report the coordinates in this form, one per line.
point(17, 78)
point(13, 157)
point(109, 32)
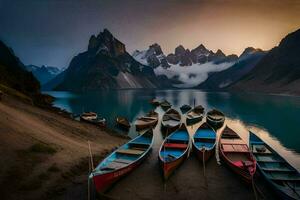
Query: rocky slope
point(278, 71)
point(107, 65)
point(246, 62)
point(13, 73)
point(155, 57)
point(43, 73)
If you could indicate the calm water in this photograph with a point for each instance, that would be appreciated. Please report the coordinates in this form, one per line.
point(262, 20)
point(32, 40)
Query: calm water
point(275, 119)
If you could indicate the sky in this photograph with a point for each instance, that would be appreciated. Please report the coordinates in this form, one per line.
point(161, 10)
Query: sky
point(51, 32)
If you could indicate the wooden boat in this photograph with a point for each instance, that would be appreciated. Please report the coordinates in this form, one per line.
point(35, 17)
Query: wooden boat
point(281, 176)
point(204, 142)
point(215, 118)
point(92, 117)
point(195, 115)
point(174, 150)
point(165, 105)
point(148, 121)
point(123, 123)
point(171, 120)
point(122, 161)
point(154, 102)
point(185, 108)
point(236, 154)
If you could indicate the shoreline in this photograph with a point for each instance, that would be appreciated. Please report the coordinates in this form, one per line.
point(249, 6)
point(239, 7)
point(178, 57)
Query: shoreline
point(44, 153)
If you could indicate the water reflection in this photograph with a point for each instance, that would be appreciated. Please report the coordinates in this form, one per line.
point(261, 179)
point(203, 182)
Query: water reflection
point(274, 118)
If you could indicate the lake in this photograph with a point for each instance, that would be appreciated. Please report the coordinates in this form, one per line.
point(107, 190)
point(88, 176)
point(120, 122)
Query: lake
point(274, 118)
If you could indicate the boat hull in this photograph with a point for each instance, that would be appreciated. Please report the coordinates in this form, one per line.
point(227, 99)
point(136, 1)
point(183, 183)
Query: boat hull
point(207, 155)
point(169, 129)
point(97, 123)
point(139, 127)
point(103, 182)
point(190, 121)
point(170, 167)
point(215, 124)
point(243, 173)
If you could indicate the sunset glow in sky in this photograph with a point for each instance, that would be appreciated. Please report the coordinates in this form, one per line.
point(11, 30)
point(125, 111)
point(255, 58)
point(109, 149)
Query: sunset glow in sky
point(51, 32)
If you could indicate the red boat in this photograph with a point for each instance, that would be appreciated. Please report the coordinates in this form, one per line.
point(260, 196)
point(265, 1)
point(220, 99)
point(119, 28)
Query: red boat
point(122, 161)
point(236, 154)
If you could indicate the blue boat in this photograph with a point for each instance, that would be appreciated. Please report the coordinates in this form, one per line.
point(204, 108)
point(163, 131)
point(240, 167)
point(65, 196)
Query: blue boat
point(122, 161)
point(281, 176)
point(204, 142)
point(174, 150)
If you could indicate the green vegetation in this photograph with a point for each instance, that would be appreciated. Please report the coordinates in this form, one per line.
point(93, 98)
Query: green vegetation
point(42, 148)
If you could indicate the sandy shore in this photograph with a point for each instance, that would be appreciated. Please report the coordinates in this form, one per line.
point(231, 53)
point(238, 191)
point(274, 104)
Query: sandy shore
point(44, 154)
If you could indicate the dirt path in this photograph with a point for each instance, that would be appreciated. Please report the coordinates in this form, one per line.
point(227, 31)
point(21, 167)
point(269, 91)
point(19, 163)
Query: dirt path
point(43, 153)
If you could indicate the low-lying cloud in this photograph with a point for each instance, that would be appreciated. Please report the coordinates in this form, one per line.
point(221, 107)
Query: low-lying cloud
point(191, 76)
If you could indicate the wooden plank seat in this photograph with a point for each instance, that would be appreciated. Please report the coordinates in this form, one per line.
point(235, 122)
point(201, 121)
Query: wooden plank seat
point(268, 159)
point(138, 145)
point(212, 140)
point(284, 177)
point(175, 145)
point(113, 166)
point(277, 169)
point(130, 151)
point(235, 148)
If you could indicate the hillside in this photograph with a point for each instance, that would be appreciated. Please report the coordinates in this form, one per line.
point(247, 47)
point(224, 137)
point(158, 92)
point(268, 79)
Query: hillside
point(13, 73)
point(246, 62)
point(277, 72)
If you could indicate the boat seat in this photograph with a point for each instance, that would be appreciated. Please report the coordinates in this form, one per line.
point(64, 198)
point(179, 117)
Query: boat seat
point(113, 166)
point(232, 141)
point(235, 148)
point(283, 177)
point(175, 145)
point(277, 169)
point(139, 144)
point(130, 151)
point(120, 160)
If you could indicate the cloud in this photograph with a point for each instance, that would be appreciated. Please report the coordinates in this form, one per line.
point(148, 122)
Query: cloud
point(191, 76)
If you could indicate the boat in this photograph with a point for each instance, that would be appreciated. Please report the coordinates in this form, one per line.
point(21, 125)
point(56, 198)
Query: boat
point(148, 121)
point(123, 123)
point(195, 115)
point(204, 142)
point(121, 162)
point(185, 108)
point(165, 105)
point(215, 118)
point(236, 154)
point(281, 176)
point(171, 120)
point(174, 150)
point(93, 118)
point(154, 102)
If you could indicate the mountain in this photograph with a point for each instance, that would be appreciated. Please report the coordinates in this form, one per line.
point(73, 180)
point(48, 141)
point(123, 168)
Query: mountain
point(43, 73)
point(155, 57)
point(185, 68)
point(277, 72)
point(246, 62)
point(107, 65)
point(13, 73)
point(54, 82)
